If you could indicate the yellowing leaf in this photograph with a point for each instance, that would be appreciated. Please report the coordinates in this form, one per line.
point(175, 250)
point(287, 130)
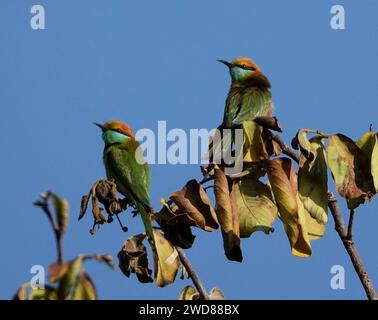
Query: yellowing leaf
point(253, 147)
point(85, 289)
point(166, 260)
point(350, 168)
point(48, 293)
point(193, 202)
point(61, 207)
point(256, 209)
point(69, 281)
point(305, 145)
point(368, 143)
point(312, 181)
point(57, 271)
point(283, 180)
point(189, 293)
point(227, 214)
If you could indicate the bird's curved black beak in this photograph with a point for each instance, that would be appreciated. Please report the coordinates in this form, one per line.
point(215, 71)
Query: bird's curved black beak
point(228, 64)
point(100, 126)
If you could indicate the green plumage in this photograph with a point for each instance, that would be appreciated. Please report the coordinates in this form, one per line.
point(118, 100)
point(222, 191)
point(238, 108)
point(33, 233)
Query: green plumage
point(132, 178)
point(247, 100)
point(124, 163)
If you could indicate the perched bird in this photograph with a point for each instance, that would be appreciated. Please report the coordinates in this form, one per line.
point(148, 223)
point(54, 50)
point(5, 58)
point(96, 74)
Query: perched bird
point(249, 96)
point(124, 163)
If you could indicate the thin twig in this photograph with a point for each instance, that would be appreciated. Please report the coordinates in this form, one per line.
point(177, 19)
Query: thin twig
point(286, 150)
point(340, 228)
point(350, 225)
point(58, 239)
point(351, 248)
point(192, 274)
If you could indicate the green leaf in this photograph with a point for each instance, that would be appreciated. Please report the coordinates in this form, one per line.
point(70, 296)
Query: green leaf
point(189, 293)
point(368, 143)
point(195, 207)
point(85, 289)
point(227, 214)
point(68, 282)
point(312, 181)
point(61, 207)
point(166, 260)
point(350, 169)
point(283, 180)
point(256, 209)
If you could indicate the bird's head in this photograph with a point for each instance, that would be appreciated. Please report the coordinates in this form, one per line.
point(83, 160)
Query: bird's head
point(242, 68)
point(115, 131)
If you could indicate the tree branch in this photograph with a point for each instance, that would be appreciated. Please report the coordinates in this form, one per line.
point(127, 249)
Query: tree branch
point(350, 225)
point(192, 274)
point(350, 247)
point(286, 150)
point(345, 235)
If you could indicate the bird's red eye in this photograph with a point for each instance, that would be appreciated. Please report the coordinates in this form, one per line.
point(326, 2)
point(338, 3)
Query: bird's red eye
point(243, 66)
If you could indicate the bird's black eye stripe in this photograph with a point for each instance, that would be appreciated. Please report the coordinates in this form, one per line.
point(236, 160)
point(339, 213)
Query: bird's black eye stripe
point(243, 66)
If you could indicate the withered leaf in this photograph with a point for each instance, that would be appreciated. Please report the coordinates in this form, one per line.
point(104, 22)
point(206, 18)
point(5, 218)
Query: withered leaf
point(350, 168)
point(177, 231)
point(268, 122)
point(83, 206)
point(216, 294)
point(133, 259)
point(272, 147)
point(193, 201)
point(227, 214)
point(312, 181)
point(283, 180)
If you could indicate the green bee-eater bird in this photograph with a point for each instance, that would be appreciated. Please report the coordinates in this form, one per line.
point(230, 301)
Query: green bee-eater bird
point(124, 163)
point(249, 96)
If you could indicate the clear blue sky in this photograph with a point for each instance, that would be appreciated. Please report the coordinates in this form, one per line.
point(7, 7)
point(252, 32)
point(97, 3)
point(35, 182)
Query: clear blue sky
point(156, 60)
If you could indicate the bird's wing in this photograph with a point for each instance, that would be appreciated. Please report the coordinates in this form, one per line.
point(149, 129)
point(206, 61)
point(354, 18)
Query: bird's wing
point(233, 104)
point(255, 103)
point(131, 176)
